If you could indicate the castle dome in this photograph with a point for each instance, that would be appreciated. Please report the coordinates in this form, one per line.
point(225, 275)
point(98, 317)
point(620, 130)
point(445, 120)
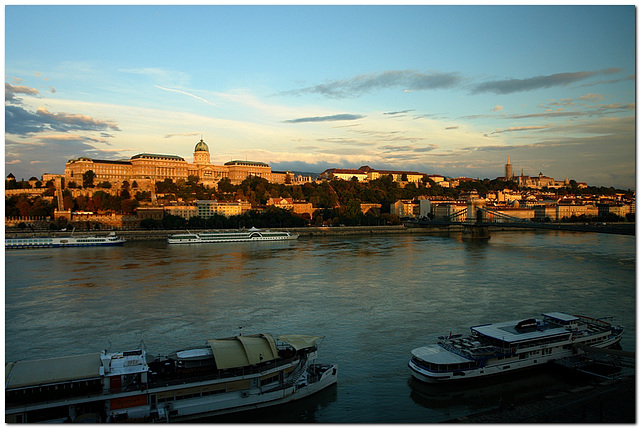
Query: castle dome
point(201, 146)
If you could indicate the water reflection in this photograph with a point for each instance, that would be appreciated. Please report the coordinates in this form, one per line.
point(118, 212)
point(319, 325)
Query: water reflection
point(498, 391)
point(374, 298)
point(305, 410)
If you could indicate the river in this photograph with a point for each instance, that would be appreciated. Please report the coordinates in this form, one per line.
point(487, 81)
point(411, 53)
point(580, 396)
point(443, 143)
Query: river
point(374, 298)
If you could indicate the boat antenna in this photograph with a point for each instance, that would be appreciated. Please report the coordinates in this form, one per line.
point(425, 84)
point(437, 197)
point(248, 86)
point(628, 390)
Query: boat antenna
point(240, 328)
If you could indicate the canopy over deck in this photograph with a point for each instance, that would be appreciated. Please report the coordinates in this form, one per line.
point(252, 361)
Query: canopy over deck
point(242, 351)
point(300, 341)
point(53, 370)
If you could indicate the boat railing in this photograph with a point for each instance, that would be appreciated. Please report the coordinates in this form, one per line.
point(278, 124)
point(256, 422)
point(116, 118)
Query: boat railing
point(477, 352)
point(177, 379)
point(594, 321)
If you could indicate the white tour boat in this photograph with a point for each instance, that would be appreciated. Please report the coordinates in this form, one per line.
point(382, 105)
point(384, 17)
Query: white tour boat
point(250, 235)
point(65, 241)
point(498, 348)
point(225, 376)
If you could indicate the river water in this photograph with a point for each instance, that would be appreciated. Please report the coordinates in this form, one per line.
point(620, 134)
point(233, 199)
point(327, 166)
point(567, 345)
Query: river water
point(374, 298)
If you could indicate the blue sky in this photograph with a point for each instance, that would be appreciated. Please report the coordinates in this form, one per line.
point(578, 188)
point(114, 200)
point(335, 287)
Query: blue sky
point(450, 90)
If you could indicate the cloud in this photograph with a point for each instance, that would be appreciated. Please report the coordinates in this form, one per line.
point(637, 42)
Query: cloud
point(19, 121)
point(186, 93)
point(365, 83)
point(184, 134)
point(497, 108)
point(68, 121)
point(335, 117)
point(602, 82)
point(395, 113)
point(517, 129)
point(509, 86)
point(345, 141)
point(161, 75)
point(51, 152)
point(390, 149)
point(10, 92)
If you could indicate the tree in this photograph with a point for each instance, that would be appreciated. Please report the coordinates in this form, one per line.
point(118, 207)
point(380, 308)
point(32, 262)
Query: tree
point(87, 179)
point(149, 223)
point(225, 186)
point(128, 206)
point(174, 222)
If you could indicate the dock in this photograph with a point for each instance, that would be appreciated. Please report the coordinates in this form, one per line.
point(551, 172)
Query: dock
point(608, 364)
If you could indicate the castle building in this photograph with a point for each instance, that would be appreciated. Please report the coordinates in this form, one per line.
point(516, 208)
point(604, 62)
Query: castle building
point(146, 169)
point(366, 173)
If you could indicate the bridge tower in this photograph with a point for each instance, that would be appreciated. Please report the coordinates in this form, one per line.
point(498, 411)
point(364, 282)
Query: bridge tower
point(475, 210)
point(476, 214)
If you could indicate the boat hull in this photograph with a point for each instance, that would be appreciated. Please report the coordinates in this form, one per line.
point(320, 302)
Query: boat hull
point(248, 372)
point(497, 369)
point(453, 360)
point(60, 243)
point(241, 403)
point(227, 240)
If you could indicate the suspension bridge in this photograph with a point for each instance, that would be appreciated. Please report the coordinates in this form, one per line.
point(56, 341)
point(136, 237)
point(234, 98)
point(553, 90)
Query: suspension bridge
point(477, 219)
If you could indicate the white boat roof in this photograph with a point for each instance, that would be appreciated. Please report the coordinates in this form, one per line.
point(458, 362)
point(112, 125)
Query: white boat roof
point(438, 355)
point(561, 316)
point(507, 332)
point(194, 353)
point(52, 370)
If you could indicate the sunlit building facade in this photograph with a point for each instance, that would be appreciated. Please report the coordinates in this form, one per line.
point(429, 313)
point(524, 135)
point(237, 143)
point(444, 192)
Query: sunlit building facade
point(148, 168)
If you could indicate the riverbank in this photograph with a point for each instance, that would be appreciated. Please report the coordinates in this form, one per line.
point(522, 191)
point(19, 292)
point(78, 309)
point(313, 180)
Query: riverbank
point(432, 230)
point(159, 235)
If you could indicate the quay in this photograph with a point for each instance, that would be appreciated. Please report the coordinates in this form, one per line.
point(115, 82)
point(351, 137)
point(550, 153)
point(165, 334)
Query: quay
point(409, 229)
point(161, 235)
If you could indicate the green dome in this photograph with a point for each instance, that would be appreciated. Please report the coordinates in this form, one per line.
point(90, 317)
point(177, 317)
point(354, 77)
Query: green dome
point(201, 147)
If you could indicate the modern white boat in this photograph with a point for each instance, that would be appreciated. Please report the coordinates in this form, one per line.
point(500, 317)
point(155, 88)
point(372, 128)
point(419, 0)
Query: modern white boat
point(65, 241)
point(493, 349)
point(250, 235)
point(224, 376)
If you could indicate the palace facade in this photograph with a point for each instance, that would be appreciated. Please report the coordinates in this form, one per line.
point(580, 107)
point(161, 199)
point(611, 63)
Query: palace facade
point(146, 169)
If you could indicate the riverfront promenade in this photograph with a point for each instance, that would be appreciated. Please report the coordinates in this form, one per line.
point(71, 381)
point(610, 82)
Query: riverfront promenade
point(153, 235)
point(434, 230)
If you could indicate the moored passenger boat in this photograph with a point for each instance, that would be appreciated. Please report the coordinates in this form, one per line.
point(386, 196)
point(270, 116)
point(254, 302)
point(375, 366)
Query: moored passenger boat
point(64, 241)
point(250, 235)
point(228, 375)
point(493, 349)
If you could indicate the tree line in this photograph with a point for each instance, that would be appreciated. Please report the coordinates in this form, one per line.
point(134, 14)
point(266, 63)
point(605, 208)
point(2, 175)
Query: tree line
point(337, 201)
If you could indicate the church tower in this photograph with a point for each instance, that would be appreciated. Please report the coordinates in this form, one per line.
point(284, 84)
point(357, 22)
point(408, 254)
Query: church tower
point(201, 154)
point(507, 170)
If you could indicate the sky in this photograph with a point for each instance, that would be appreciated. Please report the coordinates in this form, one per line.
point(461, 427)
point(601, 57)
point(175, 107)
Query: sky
point(448, 90)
